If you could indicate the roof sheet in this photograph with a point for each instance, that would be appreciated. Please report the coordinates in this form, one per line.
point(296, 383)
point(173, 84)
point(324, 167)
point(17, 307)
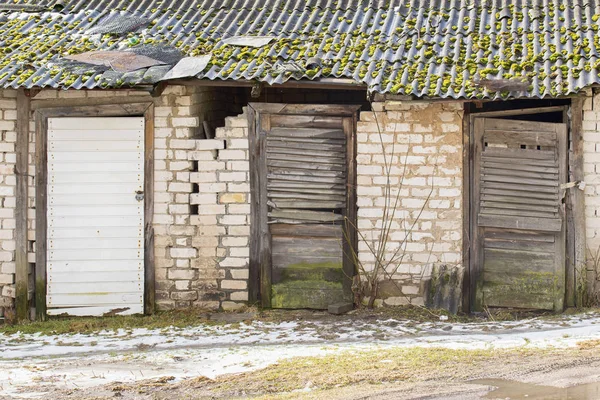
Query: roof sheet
point(439, 48)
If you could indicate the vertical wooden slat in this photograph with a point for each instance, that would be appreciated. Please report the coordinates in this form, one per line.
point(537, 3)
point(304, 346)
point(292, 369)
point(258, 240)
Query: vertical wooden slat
point(254, 267)
point(477, 300)
point(41, 206)
point(570, 226)
point(559, 255)
point(350, 242)
point(577, 198)
point(149, 275)
point(264, 234)
point(466, 203)
point(22, 202)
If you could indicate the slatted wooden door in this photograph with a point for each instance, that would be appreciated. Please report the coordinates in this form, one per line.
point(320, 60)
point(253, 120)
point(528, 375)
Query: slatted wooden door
point(303, 188)
point(519, 216)
point(95, 217)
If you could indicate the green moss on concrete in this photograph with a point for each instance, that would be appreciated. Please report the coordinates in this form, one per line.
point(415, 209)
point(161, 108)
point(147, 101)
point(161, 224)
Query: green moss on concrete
point(316, 294)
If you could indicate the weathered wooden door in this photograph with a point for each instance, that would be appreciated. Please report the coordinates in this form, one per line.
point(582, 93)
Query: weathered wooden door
point(518, 214)
point(302, 162)
point(95, 217)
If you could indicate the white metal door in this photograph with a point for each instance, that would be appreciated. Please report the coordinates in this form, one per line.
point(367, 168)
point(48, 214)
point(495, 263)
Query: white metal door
point(95, 260)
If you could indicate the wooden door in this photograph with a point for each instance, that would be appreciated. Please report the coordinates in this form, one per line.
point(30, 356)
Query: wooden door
point(518, 214)
point(95, 217)
point(303, 182)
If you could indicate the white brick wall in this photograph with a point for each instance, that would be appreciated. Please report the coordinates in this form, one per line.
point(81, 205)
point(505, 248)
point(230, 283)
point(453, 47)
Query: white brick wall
point(8, 136)
point(591, 168)
point(422, 145)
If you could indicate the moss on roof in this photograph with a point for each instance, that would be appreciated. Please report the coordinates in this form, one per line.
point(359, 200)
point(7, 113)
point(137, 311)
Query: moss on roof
point(401, 50)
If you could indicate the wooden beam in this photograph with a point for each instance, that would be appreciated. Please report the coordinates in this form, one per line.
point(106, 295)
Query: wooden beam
point(254, 267)
point(101, 101)
point(149, 275)
point(350, 241)
point(466, 199)
point(22, 202)
point(41, 210)
point(577, 198)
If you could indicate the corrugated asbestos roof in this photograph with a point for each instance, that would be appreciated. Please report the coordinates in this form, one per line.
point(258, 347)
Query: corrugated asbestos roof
point(439, 48)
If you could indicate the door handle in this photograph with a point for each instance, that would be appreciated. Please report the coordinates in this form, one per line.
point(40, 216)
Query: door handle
point(139, 195)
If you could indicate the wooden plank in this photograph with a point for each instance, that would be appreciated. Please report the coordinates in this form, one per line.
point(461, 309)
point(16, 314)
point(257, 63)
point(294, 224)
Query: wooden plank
point(507, 212)
point(108, 310)
point(88, 188)
point(96, 276)
point(518, 180)
point(520, 206)
point(476, 266)
point(334, 161)
point(96, 232)
point(106, 110)
point(273, 190)
point(517, 187)
point(307, 230)
point(265, 260)
point(303, 215)
point(90, 199)
point(520, 111)
point(350, 241)
point(560, 264)
point(306, 179)
point(82, 134)
point(95, 254)
point(308, 173)
point(503, 296)
point(577, 200)
point(532, 196)
point(285, 261)
point(306, 246)
point(95, 157)
point(305, 152)
point(519, 174)
point(81, 211)
point(22, 202)
point(523, 154)
point(94, 243)
point(254, 278)
point(515, 261)
point(519, 245)
point(306, 165)
point(92, 103)
point(520, 138)
point(306, 109)
point(314, 197)
point(302, 181)
point(41, 208)
point(296, 204)
point(520, 167)
point(305, 121)
point(517, 200)
point(527, 223)
point(299, 140)
point(98, 177)
point(81, 300)
point(306, 144)
point(149, 300)
point(95, 222)
point(520, 235)
point(307, 133)
point(537, 127)
point(115, 286)
point(96, 266)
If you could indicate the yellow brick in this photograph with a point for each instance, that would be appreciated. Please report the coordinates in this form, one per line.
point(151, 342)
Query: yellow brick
point(232, 198)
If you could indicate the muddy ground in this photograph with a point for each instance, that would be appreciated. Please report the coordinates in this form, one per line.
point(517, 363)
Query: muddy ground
point(378, 357)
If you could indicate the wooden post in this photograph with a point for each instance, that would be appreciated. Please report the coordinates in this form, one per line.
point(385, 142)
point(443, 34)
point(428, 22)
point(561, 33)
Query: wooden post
point(149, 275)
point(22, 202)
point(577, 198)
point(41, 208)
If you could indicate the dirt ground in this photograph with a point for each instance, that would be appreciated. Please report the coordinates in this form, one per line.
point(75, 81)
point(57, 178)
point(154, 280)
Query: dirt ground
point(309, 356)
point(383, 374)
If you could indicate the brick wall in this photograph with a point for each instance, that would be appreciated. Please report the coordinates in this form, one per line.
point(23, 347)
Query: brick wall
point(422, 145)
point(591, 168)
point(8, 136)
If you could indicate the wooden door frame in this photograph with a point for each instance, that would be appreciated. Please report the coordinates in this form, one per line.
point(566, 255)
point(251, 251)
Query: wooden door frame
point(103, 108)
point(575, 208)
point(259, 269)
